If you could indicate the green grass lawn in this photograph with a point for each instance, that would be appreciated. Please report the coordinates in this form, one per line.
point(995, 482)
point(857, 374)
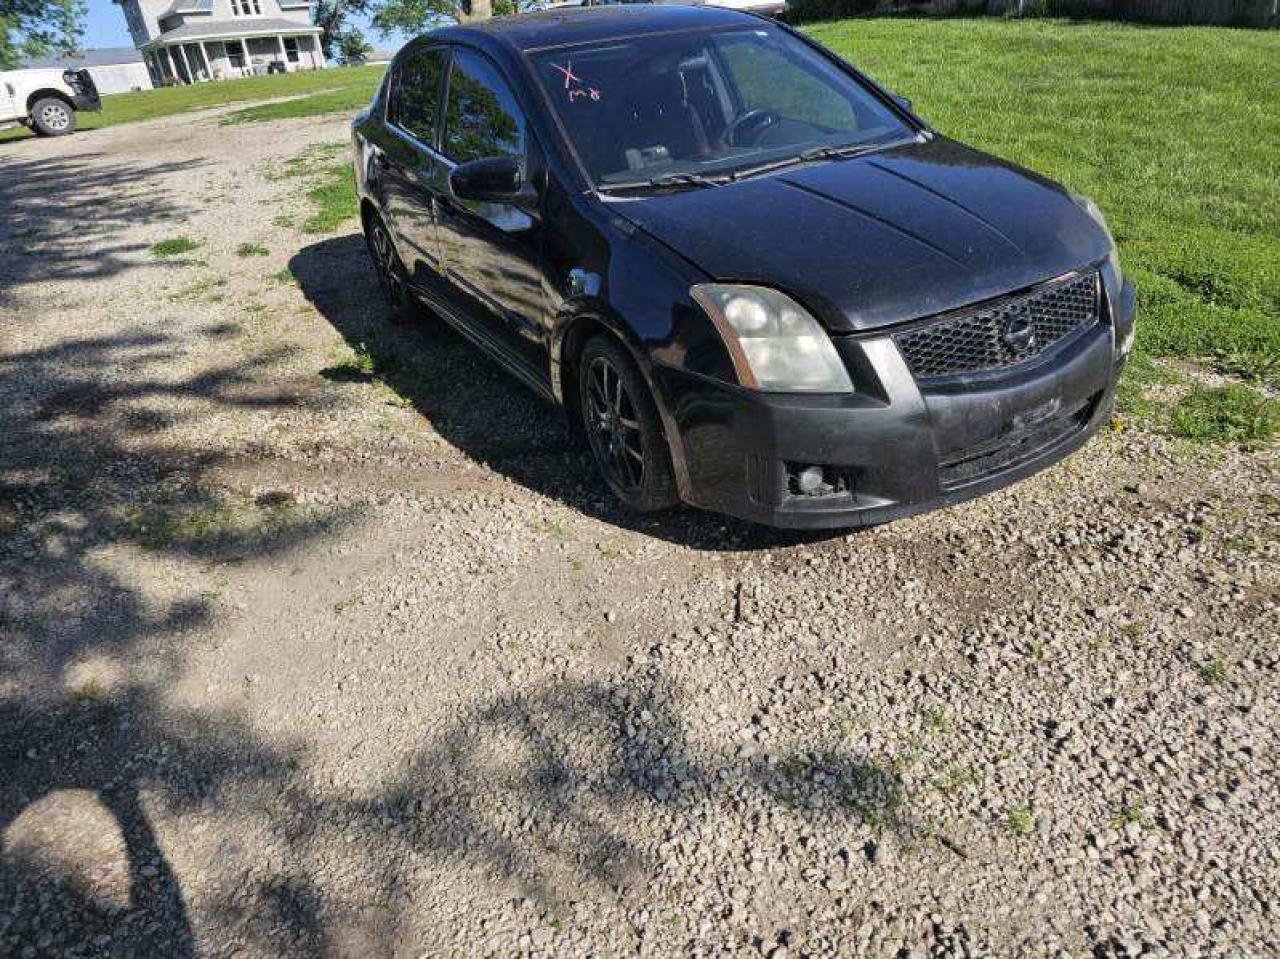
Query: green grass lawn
point(341, 88)
point(1174, 131)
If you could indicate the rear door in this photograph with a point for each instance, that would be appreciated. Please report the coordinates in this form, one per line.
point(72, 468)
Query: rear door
point(412, 169)
point(492, 251)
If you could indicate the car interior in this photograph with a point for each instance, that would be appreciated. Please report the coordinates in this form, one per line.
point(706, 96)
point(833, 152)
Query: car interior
point(636, 111)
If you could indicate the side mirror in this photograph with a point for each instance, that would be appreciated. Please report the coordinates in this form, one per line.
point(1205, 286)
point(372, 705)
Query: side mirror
point(902, 102)
point(491, 180)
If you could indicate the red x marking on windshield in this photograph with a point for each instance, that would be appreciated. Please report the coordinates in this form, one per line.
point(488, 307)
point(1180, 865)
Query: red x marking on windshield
point(567, 70)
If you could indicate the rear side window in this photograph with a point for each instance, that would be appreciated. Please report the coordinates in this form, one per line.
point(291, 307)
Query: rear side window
point(482, 118)
point(415, 94)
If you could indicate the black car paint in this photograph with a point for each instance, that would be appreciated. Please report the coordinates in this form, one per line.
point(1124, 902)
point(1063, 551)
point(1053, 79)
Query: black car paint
point(866, 244)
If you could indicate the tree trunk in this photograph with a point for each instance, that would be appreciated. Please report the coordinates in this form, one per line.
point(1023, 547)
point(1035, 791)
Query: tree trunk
point(480, 10)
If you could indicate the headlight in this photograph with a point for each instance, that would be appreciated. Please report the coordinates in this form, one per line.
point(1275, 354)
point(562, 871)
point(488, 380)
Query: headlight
point(775, 344)
point(1095, 214)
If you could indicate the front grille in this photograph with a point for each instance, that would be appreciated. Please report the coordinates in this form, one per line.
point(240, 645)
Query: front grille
point(1001, 332)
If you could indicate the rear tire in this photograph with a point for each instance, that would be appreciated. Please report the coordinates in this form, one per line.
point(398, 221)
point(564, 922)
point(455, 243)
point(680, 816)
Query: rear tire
point(623, 428)
point(51, 117)
point(393, 277)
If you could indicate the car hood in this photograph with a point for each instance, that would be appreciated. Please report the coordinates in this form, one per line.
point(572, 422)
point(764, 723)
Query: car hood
point(882, 238)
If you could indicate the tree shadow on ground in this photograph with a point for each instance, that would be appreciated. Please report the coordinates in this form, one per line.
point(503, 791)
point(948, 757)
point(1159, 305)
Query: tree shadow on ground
point(85, 654)
point(551, 793)
point(60, 219)
point(483, 411)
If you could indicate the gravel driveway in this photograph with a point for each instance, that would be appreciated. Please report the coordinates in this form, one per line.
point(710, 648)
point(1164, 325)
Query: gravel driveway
point(318, 637)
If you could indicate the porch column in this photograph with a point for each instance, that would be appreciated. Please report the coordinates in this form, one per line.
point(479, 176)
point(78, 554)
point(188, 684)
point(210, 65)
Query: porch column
point(208, 67)
point(186, 64)
point(284, 57)
point(173, 70)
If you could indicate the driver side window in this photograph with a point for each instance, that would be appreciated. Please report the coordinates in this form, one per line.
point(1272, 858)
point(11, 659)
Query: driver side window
point(482, 118)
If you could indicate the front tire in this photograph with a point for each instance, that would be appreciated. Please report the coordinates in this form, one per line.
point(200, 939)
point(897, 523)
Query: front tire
point(623, 428)
point(51, 117)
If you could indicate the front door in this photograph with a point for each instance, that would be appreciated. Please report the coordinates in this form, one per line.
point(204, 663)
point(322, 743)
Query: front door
point(492, 251)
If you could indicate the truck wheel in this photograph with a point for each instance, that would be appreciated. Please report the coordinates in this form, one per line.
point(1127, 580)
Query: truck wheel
point(51, 117)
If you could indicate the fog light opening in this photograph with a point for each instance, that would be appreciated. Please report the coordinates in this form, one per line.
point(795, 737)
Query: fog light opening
point(813, 480)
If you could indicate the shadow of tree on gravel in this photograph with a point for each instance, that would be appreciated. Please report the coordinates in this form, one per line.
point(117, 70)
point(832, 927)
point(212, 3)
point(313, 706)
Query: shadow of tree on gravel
point(60, 218)
point(485, 412)
point(85, 655)
point(552, 793)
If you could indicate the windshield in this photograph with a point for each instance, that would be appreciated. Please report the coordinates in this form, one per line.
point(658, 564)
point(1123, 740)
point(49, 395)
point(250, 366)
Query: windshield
point(686, 106)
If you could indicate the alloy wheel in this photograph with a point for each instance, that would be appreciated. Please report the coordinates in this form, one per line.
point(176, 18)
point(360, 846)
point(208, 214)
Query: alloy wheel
point(388, 264)
point(613, 426)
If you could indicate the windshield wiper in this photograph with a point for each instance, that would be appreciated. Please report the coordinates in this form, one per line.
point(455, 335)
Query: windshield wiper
point(668, 180)
point(811, 155)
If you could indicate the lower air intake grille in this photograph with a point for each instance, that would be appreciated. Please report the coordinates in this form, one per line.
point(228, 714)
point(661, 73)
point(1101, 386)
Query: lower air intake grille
point(1002, 332)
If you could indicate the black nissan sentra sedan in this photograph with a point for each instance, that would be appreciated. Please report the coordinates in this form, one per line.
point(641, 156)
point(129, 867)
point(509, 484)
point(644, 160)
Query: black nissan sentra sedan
point(754, 279)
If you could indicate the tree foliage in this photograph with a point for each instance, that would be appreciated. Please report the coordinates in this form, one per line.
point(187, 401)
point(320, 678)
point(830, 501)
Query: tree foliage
point(331, 17)
point(33, 28)
point(351, 46)
point(409, 17)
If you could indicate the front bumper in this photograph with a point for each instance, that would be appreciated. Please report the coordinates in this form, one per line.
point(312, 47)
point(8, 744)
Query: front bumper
point(893, 448)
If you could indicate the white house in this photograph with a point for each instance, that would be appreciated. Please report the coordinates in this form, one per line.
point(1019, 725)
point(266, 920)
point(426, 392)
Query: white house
point(195, 40)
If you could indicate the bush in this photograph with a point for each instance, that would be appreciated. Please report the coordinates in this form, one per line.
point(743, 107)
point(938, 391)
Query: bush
point(808, 11)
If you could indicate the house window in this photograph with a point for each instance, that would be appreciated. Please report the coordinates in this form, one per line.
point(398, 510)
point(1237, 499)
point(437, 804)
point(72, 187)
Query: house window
point(246, 8)
point(235, 53)
point(291, 49)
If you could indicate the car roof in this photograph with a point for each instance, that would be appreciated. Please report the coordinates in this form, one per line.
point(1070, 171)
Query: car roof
point(570, 25)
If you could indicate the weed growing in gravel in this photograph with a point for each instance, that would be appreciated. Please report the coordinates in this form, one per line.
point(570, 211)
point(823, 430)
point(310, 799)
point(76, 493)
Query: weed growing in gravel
point(1261, 369)
point(197, 289)
point(1132, 812)
point(174, 246)
point(938, 720)
point(90, 691)
point(956, 778)
point(285, 277)
point(169, 525)
point(1228, 414)
point(1020, 821)
point(334, 195)
point(251, 249)
point(1213, 672)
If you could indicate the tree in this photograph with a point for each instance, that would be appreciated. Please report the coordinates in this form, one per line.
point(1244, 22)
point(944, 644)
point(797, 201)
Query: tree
point(33, 28)
point(410, 17)
point(331, 18)
point(352, 47)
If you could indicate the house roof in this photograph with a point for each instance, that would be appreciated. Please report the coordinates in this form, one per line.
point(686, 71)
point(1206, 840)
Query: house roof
point(102, 57)
point(218, 29)
point(188, 6)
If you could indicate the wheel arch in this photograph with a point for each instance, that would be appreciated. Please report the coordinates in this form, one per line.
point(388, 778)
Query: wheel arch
point(576, 323)
point(46, 93)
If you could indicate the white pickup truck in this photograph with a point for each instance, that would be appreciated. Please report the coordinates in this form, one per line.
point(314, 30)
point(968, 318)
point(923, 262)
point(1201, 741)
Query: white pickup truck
point(46, 100)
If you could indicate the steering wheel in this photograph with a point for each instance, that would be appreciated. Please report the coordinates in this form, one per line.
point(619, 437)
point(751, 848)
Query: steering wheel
point(751, 124)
